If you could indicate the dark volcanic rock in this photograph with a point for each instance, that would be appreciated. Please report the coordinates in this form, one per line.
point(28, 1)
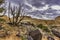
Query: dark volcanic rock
point(56, 33)
point(36, 35)
point(50, 38)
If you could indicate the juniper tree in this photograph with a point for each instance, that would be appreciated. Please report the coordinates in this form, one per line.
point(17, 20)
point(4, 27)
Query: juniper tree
point(1, 8)
point(1, 1)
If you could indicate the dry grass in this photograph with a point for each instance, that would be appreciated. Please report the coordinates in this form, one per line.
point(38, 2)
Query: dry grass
point(13, 29)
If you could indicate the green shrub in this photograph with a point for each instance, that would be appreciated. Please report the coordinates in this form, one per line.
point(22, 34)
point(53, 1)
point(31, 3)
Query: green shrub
point(53, 27)
point(43, 28)
point(2, 20)
point(1, 10)
point(23, 37)
point(1, 28)
point(1, 1)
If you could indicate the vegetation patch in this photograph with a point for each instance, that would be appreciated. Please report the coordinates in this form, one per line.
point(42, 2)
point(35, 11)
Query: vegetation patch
point(1, 10)
point(53, 27)
point(2, 20)
point(43, 28)
point(24, 37)
point(1, 1)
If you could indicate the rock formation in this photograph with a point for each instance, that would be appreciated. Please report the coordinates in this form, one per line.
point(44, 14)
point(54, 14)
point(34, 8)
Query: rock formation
point(56, 33)
point(36, 35)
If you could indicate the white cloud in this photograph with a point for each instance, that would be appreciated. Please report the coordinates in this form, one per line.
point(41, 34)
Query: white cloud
point(55, 7)
point(58, 12)
point(33, 8)
point(40, 9)
point(43, 3)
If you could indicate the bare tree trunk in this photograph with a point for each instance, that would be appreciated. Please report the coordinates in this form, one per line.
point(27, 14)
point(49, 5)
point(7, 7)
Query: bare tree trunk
point(13, 13)
point(18, 14)
point(13, 19)
point(9, 17)
point(20, 20)
point(9, 12)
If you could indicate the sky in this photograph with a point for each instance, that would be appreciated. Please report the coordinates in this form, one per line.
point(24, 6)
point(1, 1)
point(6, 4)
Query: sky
point(41, 9)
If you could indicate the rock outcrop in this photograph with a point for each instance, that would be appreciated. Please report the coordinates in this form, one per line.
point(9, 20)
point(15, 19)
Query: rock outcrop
point(56, 33)
point(36, 35)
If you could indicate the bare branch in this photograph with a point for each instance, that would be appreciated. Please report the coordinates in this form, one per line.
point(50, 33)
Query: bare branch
point(19, 12)
point(16, 14)
point(9, 12)
point(13, 13)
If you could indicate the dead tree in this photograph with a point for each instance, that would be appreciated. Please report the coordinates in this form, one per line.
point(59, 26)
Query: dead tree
point(9, 13)
point(17, 14)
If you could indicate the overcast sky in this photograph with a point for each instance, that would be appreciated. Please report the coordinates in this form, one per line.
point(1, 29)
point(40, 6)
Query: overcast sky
point(43, 9)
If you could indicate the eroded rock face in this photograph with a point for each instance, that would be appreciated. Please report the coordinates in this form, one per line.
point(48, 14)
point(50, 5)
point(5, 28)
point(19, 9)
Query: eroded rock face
point(50, 38)
point(36, 35)
point(56, 33)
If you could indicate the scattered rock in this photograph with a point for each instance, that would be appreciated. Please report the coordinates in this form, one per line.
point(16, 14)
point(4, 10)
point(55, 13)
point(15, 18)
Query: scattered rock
point(29, 38)
point(18, 34)
point(56, 33)
point(36, 35)
point(2, 33)
point(50, 38)
point(10, 23)
point(8, 33)
point(1, 28)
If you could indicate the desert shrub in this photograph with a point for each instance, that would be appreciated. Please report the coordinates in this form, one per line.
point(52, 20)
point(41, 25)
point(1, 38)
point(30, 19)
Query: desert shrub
point(43, 28)
point(2, 20)
point(53, 27)
point(1, 1)
point(1, 10)
point(24, 37)
point(1, 28)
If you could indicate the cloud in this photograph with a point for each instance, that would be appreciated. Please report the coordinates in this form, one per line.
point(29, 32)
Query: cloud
point(46, 9)
point(55, 7)
point(33, 8)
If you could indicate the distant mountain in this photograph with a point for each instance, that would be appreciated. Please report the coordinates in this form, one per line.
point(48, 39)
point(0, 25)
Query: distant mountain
point(55, 22)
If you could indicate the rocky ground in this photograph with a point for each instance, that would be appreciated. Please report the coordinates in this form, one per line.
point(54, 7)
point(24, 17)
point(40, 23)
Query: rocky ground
point(28, 31)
